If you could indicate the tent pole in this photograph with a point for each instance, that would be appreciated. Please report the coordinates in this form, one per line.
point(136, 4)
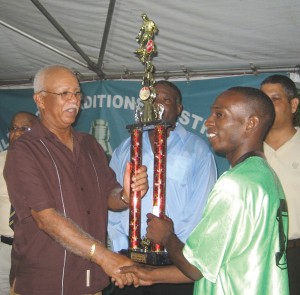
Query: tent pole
point(42, 43)
point(106, 32)
point(91, 65)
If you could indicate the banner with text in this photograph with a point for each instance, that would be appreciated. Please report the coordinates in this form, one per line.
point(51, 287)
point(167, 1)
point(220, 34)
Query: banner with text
point(108, 107)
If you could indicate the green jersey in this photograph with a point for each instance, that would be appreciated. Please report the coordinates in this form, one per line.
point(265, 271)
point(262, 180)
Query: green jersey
point(239, 244)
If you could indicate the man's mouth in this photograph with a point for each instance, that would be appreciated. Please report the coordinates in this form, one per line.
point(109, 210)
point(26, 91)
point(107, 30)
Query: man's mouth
point(210, 135)
point(70, 108)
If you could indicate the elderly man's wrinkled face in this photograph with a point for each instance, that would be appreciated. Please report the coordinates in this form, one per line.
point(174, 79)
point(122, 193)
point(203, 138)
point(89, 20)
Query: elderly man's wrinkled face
point(59, 102)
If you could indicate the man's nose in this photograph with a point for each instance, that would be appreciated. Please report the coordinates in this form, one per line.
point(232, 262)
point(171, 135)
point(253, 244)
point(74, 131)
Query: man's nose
point(209, 121)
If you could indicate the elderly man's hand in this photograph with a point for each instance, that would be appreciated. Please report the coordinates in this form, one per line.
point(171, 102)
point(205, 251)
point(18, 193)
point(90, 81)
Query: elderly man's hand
point(111, 264)
point(141, 271)
point(139, 182)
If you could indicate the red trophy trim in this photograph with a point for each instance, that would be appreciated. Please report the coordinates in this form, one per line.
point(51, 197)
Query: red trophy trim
point(159, 178)
point(135, 197)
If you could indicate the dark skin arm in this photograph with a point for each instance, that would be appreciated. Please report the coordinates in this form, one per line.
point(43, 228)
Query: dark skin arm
point(75, 240)
point(149, 275)
point(160, 231)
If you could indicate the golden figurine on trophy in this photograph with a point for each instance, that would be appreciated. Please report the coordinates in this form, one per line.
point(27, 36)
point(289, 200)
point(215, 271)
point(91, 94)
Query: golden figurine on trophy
point(145, 52)
point(148, 115)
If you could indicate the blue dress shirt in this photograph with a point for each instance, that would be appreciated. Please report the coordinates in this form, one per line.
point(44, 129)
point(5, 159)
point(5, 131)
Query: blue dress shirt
point(191, 174)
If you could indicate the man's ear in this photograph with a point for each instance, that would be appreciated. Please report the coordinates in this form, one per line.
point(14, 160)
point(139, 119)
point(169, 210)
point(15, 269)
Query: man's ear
point(294, 104)
point(39, 100)
point(179, 109)
point(252, 123)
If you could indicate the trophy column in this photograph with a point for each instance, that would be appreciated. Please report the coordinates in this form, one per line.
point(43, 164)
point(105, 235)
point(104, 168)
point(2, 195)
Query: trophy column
point(159, 177)
point(135, 197)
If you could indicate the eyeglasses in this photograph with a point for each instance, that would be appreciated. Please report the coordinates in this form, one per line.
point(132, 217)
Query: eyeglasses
point(16, 129)
point(66, 95)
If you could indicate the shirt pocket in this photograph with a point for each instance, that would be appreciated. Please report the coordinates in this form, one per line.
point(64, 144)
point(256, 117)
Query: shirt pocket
point(178, 168)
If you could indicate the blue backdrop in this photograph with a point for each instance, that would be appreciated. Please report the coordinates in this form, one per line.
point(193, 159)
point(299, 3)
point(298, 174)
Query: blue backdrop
point(108, 107)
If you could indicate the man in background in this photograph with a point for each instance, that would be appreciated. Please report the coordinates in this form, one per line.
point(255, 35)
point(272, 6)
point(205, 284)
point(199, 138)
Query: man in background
point(21, 122)
point(282, 150)
point(190, 175)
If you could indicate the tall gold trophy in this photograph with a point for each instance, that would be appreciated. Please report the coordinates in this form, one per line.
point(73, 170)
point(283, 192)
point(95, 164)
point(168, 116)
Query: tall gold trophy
point(147, 116)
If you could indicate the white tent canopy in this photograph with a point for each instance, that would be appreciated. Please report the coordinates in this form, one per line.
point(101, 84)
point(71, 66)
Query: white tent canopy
point(196, 37)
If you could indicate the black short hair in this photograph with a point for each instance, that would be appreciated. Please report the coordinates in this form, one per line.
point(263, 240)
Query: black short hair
point(173, 86)
point(290, 89)
point(260, 105)
point(288, 85)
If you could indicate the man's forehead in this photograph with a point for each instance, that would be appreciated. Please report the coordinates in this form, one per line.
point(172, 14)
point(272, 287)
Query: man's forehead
point(22, 119)
point(228, 100)
point(273, 87)
point(61, 77)
point(165, 90)
point(222, 100)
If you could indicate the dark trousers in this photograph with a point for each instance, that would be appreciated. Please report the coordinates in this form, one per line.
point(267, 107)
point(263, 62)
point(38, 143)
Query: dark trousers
point(159, 289)
point(293, 262)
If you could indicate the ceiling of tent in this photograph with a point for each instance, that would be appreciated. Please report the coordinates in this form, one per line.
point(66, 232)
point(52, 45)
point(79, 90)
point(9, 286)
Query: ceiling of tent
point(196, 37)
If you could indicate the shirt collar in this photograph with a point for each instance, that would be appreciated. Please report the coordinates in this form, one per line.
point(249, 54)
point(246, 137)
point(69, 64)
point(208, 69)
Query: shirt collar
point(41, 131)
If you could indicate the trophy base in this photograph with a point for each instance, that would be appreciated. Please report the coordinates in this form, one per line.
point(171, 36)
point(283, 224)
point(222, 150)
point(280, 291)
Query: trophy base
point(148, 257)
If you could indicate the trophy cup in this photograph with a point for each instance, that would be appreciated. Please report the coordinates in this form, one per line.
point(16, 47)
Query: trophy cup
point(147, 116)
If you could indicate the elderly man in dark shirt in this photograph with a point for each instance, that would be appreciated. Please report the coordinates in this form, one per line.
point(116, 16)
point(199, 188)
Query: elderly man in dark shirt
point(61, 186)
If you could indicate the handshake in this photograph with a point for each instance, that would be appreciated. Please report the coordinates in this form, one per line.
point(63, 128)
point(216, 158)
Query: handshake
point(125, 272)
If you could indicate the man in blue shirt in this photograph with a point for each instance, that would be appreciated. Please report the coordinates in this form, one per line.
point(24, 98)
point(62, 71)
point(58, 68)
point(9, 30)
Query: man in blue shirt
point(191, 173)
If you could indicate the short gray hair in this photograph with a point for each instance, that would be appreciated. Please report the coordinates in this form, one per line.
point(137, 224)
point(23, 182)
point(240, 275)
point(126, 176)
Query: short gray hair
point(39, 78)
